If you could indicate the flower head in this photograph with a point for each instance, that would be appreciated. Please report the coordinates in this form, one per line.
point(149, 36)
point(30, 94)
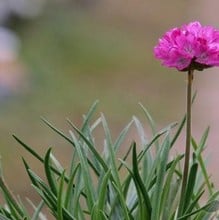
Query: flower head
point(191, 46)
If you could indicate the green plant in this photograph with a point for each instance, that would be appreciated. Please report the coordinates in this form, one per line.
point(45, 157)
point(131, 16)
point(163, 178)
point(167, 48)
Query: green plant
point(147, 182)
point(102, 183)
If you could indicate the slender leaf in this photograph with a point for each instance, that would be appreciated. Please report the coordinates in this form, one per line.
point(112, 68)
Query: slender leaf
point(10, 199)
point(92, 148)
point(37, 211)
point(2, 217)
point(198, 150)
point(161, 169)
point(70, 187)
point(36, 155)
point(122, 136)
point(190, 185)
point(166, 202)
point(52, 182)
point(112, 152)
point(89, 115)
point(86, 175)
point(140, 183)
point(60, 198)
point(212, 206)
point(98, 209)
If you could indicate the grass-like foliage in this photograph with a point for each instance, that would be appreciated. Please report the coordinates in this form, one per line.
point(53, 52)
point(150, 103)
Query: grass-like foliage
point(142, 183)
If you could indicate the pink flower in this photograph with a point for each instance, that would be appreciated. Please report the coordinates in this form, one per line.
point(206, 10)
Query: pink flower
point(191, 46)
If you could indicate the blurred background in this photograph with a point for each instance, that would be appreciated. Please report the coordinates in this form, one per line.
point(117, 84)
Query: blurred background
point(57, 57)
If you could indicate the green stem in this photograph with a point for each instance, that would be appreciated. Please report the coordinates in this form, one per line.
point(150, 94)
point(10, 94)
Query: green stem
point(188, 141)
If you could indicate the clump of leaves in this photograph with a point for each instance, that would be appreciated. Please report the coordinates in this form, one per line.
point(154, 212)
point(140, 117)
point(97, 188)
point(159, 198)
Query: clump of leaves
point(143, 184)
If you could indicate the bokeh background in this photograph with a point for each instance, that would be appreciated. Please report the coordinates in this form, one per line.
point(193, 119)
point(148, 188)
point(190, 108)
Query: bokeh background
point(57, 57)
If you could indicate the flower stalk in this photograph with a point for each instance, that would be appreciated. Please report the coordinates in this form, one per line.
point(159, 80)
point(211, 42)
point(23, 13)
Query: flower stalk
point(188, 48)
point(188, 140)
